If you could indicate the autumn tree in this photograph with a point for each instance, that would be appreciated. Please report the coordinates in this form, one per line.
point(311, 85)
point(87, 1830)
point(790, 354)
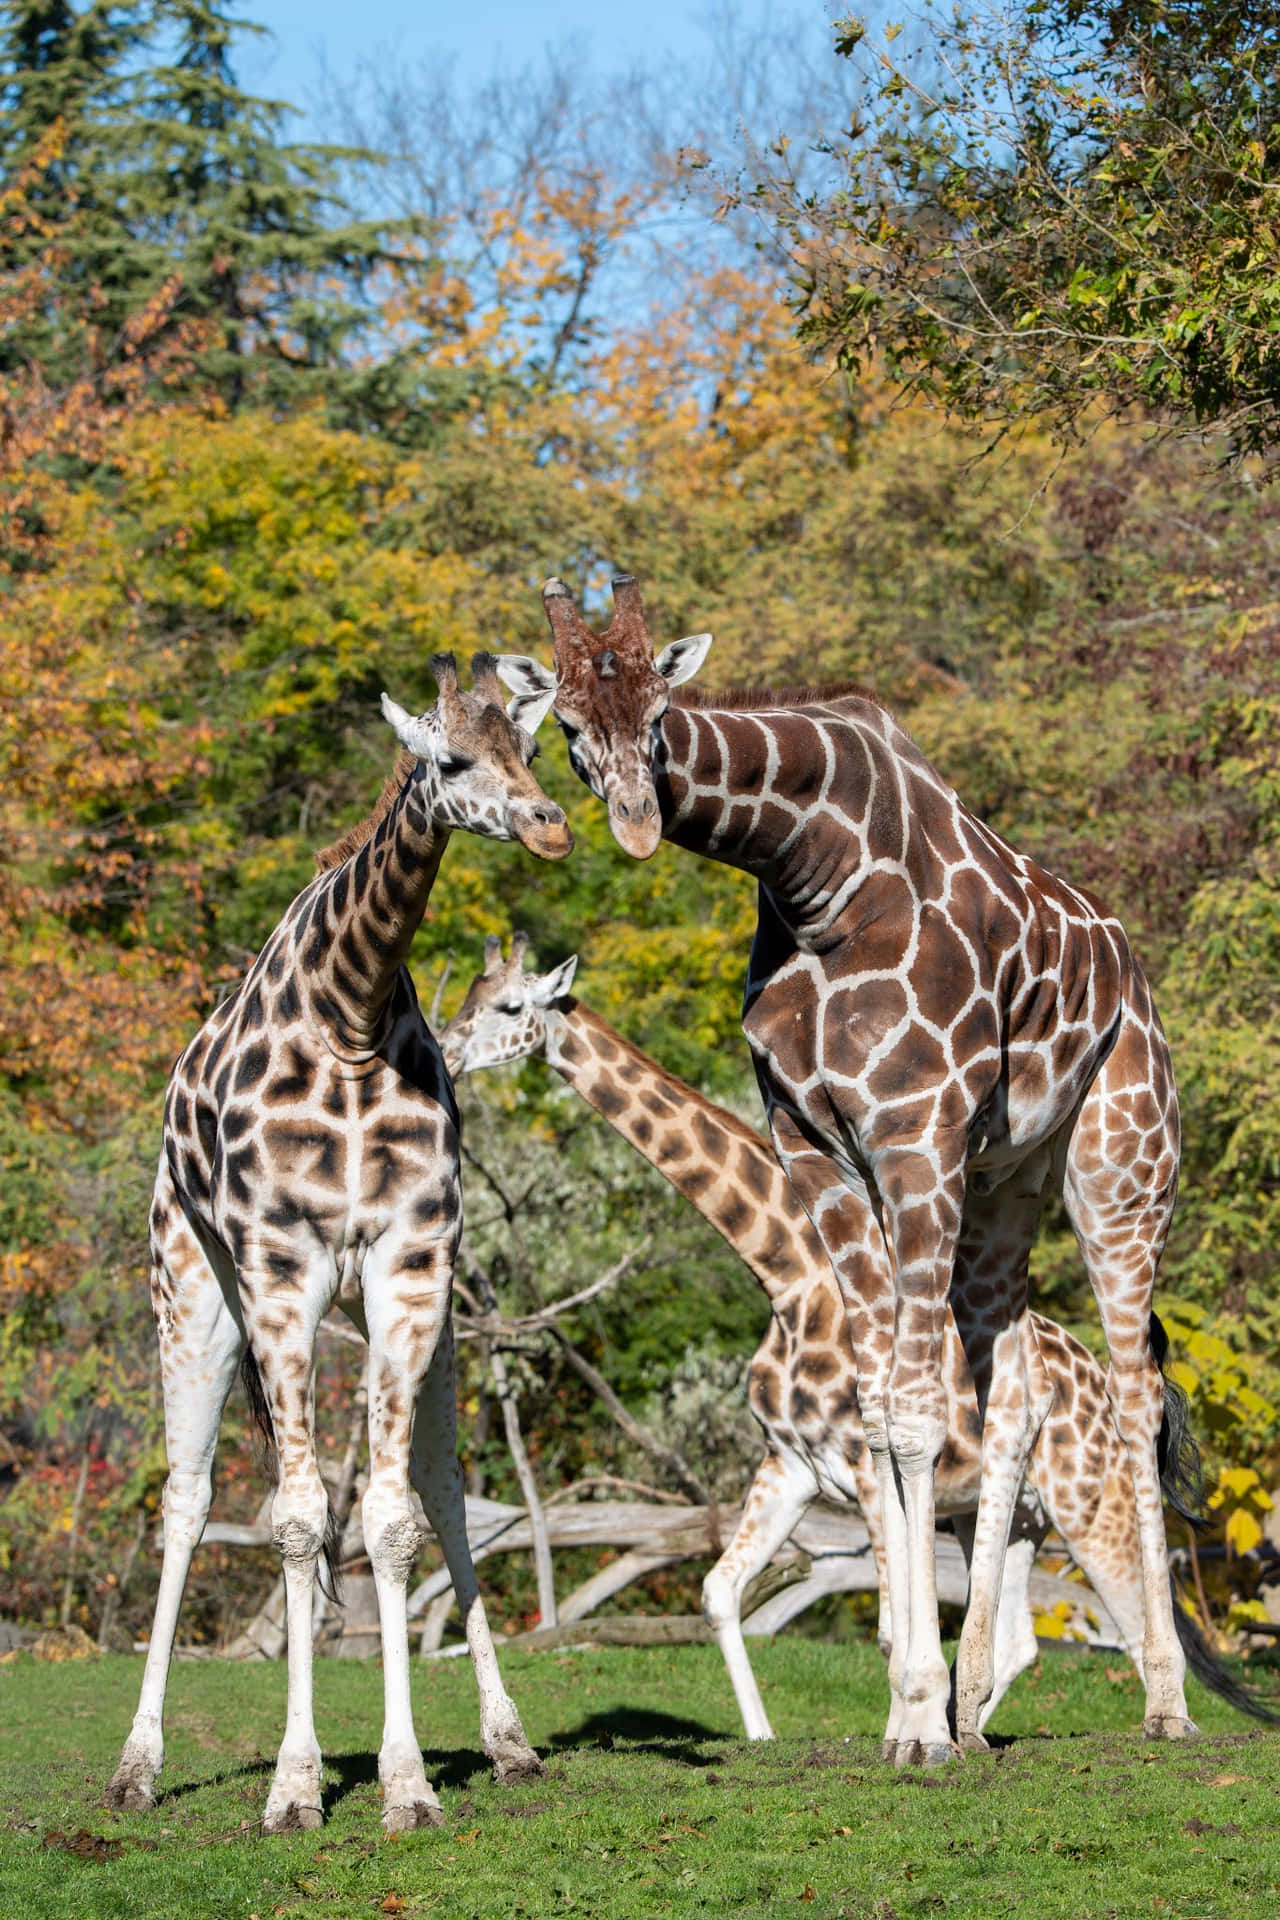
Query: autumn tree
point(1054, 213)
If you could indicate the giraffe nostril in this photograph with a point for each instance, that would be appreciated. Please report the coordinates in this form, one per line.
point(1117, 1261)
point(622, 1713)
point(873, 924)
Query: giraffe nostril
point(648, 809)
point(624, 811)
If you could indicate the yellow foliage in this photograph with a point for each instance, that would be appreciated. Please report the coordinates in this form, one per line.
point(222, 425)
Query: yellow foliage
point(1242, 1530)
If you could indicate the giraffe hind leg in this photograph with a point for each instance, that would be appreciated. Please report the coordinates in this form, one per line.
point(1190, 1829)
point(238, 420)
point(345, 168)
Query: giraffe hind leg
point(200, 1341)
point(438, 1479)
point(1121, 1177)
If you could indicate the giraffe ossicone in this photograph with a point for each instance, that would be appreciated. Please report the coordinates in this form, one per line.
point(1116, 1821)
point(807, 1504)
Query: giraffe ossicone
point(803, 1380)
point(309, 1161)
point(943, 1033)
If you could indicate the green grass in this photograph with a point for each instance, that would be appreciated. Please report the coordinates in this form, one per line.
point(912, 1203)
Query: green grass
point(652, 1805)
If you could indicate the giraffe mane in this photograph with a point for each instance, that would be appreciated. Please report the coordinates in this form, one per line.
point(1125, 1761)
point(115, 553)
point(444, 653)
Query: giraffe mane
point(763, 699)
point(359, 836)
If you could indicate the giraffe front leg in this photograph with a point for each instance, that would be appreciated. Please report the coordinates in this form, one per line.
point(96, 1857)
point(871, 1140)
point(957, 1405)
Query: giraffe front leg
point(838, 1202)
point(438, 1479)
point(921, 1186)
point(923, 1737)
point(781, 1491)
point(1014, 1636)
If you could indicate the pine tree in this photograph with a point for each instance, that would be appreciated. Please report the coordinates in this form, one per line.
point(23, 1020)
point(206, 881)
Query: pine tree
point(162, 171)
point(57, 84)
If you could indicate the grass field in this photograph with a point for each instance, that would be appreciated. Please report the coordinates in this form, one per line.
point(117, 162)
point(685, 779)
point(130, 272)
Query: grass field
point(652, 1803)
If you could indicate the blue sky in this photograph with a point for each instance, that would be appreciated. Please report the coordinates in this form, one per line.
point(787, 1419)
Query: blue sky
point(478, 34)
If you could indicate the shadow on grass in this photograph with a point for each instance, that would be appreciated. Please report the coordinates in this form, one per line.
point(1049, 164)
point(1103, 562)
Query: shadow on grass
point(689, 1743)
point(661, 1733)
point(228, 1776)
point(447, 1768)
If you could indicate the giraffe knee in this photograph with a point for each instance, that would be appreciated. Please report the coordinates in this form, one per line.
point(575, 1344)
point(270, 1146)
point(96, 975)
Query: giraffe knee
point(916, 1438)
point(874, 1409)
point(299, 1519)
point(393, 1533)
point(720, 1599)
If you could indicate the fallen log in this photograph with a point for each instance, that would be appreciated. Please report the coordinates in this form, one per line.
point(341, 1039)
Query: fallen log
point(647, 1535)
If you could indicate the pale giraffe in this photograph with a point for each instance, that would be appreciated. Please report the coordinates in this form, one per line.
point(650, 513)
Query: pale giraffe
point(943, 1033)
point(310, 1160)
point(802, 1386)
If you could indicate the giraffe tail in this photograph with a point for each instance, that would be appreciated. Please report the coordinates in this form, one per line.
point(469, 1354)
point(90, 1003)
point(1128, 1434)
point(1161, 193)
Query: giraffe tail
point(260, 1413)
point(1182, 1481)
point(1177, 1455)
point(1211, 1673)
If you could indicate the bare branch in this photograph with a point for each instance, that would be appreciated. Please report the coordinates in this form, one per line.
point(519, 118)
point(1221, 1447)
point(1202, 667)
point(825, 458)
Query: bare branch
point(674, 1462)
point(494, 1324)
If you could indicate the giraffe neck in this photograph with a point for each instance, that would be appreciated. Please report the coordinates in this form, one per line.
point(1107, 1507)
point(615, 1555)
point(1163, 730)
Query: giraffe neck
point(714, 1159)
point(785, 795)
point(354, 936)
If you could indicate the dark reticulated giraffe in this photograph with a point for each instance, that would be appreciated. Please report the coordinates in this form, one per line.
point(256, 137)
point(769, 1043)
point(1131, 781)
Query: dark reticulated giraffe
point(943, 1034)
point(310, 1160)
point(802, 1386)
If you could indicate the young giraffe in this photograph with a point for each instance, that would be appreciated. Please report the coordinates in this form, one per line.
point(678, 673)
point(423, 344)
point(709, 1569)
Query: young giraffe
point(803, 1381)
point(943, 1032)
point(310, 1159)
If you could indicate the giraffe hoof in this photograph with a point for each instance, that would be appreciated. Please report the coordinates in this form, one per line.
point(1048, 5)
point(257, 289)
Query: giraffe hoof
point(295, 1817)
point(973, 1742)
point(1169, 1726)
point(129, 1792)
point(929, 1754)
point(512, 1764)
point(407, 1819)
point(889, 1752)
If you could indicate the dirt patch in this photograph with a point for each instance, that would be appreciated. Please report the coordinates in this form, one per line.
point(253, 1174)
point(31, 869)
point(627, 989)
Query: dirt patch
point(94, 1846)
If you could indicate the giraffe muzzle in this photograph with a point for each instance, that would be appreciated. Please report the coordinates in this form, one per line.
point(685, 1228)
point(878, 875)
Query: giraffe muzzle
point(543, 830)
point(636, 822)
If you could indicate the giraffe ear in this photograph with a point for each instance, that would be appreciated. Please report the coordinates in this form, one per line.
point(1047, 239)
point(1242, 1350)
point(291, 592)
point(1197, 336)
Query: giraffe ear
point(681, 660)
point(410, 732)
point(534, 687)
point(553, 986)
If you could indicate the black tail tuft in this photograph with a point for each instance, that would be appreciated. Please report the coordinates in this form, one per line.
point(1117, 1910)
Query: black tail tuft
point(1177, 1455)
point(260, 1412)
point(1211, 1673)
point(330, 1557)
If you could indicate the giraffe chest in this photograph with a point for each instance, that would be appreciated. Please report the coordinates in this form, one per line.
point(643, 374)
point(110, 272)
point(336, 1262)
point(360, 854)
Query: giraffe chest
point(316, 1153)
point(877, 1054)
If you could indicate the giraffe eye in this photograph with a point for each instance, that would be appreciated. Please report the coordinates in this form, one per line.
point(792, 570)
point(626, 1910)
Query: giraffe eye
point(454, 762)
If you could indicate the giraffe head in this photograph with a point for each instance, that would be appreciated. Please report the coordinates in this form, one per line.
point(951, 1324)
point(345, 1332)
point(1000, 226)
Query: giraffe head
point(504, 1015)
point(475, 756)
point(610, 692)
